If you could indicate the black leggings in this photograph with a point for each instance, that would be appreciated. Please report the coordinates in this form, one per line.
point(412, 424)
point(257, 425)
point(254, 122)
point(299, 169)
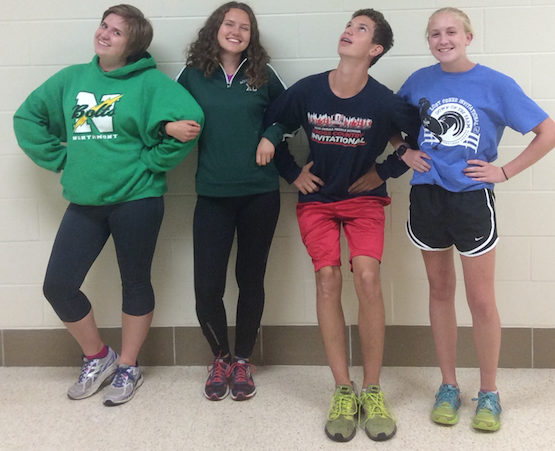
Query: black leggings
point(215, 222)
point(83, 232)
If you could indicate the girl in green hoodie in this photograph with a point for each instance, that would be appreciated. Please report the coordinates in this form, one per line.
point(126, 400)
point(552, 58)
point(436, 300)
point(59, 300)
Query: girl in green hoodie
point(102, 125)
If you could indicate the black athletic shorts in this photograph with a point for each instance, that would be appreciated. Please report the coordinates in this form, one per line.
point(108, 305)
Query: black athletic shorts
point(439, 219)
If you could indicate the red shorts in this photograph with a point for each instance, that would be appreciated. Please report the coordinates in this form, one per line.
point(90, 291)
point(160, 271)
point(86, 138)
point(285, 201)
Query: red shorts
point(363, 220)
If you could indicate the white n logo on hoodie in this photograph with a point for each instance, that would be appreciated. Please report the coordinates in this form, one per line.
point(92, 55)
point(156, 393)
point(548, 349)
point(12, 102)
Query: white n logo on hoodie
point(101, 114)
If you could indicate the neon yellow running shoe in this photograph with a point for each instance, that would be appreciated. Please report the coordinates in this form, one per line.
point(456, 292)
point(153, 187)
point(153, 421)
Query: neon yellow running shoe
point(488, 412)
point(448, 401)
point(341, 425)
point(378, 421)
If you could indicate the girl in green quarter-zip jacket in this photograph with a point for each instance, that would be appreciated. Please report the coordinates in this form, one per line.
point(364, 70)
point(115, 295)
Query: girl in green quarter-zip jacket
point(227, 72)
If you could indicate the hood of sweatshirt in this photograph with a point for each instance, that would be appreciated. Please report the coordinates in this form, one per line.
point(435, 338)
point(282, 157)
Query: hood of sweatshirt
point(147, 62)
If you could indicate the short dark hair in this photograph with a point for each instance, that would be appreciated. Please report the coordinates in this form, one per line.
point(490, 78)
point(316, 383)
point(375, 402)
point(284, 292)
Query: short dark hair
point(139, 28)
point(383, 34)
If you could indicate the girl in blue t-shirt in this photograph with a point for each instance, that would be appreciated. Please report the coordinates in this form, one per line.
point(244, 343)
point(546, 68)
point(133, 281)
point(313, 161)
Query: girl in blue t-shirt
point(464, 108)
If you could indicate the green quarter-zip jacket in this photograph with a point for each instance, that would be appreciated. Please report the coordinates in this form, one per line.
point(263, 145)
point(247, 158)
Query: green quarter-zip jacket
point(227, 147)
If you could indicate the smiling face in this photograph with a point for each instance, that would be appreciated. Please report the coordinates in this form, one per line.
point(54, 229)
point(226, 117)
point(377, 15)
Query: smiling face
point(357, 39)
point(110, 41)
point(234, 34)
point(448, 40)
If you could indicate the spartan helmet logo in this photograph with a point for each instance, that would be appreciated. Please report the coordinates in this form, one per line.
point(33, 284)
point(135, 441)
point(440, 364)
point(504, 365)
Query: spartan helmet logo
point(450, 123)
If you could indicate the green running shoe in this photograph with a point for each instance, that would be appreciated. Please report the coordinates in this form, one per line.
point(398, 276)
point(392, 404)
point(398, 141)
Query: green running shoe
point(378, 421)
point(448, 401)
point(487, 412)
point(341, 425)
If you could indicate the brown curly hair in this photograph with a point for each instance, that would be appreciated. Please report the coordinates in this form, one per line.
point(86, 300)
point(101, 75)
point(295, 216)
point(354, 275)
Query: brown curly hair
point(204, 53)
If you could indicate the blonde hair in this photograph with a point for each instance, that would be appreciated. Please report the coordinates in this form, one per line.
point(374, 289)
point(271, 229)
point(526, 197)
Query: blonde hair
point(467, 26)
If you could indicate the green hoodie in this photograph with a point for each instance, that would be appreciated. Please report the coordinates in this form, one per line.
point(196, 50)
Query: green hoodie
point(112, 122)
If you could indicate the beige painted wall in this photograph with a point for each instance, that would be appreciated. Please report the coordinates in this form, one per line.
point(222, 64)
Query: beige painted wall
point(513, 36)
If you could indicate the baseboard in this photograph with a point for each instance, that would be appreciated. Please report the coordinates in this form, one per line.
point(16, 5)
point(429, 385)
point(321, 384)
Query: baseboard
point(279, 345)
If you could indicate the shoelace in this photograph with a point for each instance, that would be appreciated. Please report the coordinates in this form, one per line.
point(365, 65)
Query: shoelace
point(343, 405)
point(488, 401)
point(121, 376)
point(89, 368)
point(447, 393)
point(241, 371)
point(218, 371)
point(375, 404)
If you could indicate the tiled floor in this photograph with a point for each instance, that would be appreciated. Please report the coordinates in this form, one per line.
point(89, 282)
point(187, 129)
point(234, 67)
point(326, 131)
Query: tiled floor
point(288, 413)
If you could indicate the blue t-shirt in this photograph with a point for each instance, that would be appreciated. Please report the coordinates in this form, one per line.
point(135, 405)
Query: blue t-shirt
point(463, 117)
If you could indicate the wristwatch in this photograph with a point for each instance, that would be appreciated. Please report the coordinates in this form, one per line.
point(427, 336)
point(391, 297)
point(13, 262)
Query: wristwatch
point(400, 151)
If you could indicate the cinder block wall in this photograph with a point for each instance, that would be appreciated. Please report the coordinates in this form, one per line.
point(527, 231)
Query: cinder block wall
point(513, 36)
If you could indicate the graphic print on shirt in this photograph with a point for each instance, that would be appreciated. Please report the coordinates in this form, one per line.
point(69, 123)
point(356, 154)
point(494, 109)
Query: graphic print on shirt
point(450, 122)
point(338, 129)
point(249, 87)
point(89, 112)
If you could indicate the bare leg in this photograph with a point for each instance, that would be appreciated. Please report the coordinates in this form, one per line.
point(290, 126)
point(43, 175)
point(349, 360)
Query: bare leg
point(332, 321)
point(441, 276)
point(134, 331)
point(86, 334)
point(371, 316)
point(480, 292)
